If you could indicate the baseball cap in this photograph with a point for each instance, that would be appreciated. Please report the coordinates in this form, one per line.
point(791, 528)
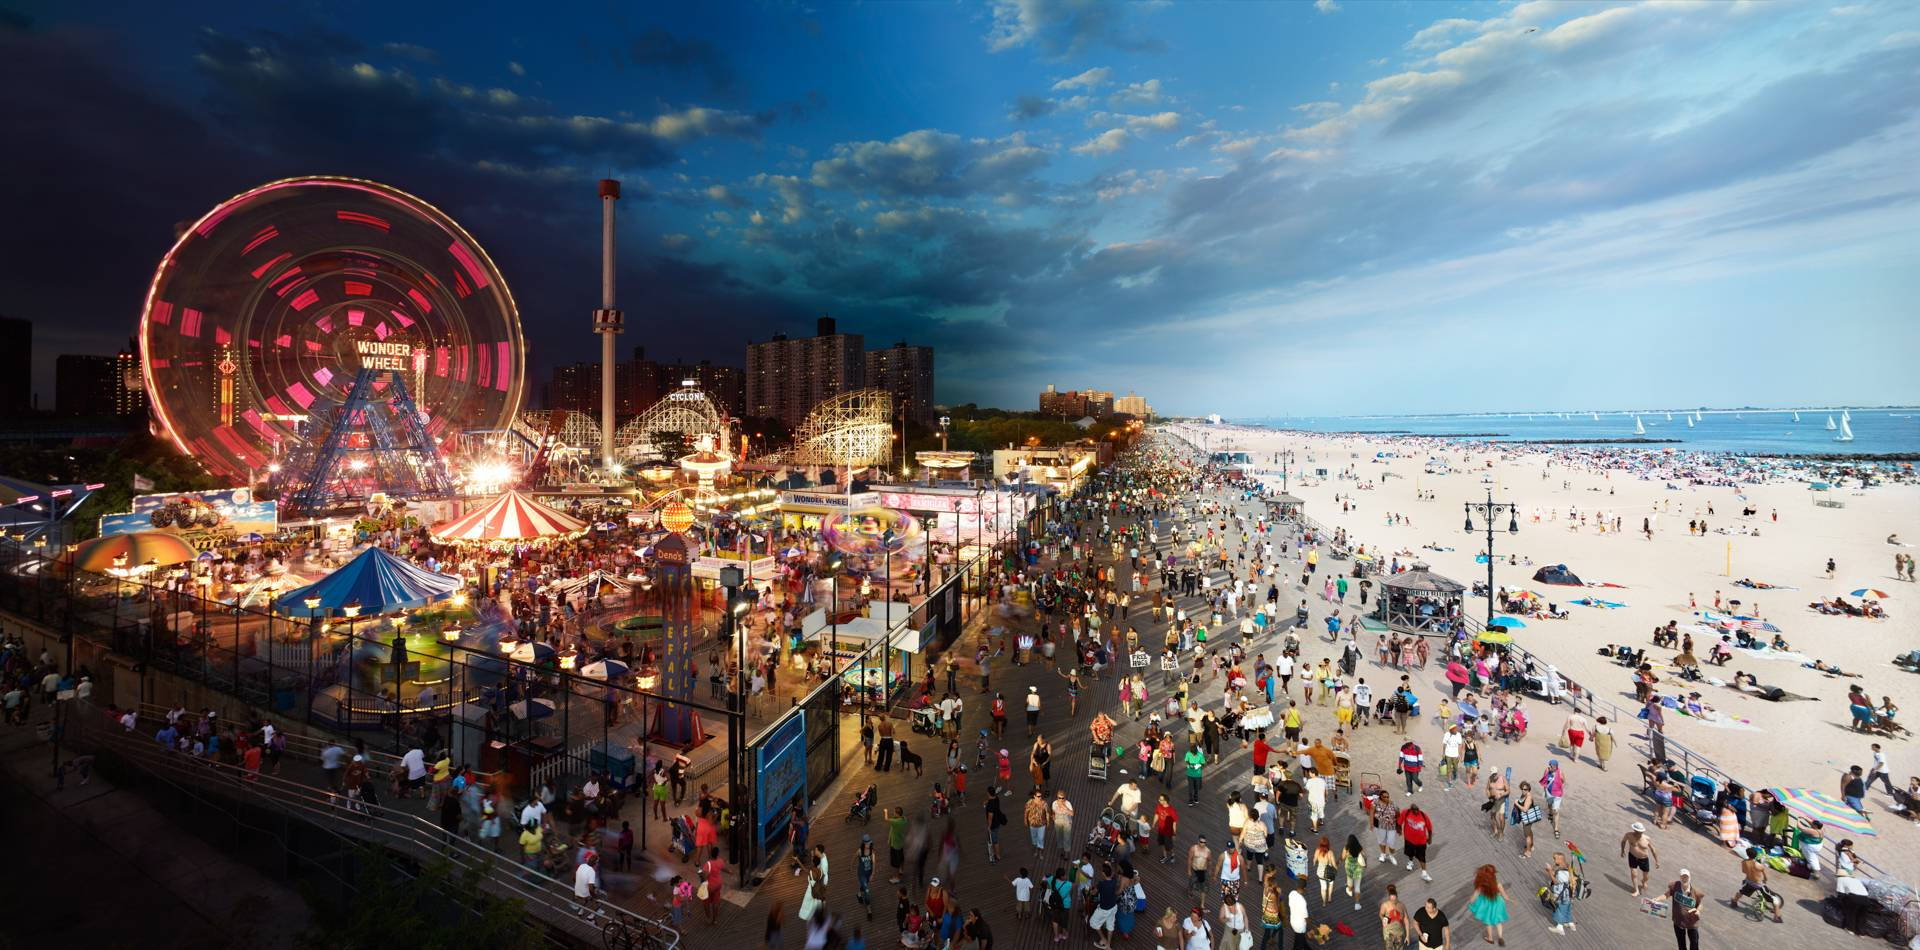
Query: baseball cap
point(934, 883)
point(1685, 873)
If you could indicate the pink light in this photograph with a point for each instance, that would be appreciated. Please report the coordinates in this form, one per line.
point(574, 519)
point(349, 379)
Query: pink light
point(307, 298)
point(96, 486)
point(313, 346)
point(323, 376)
point(298, 393)
point(358, 288)
point(159, 362)
point(266, 234)
point(284, 339)
point(279, 408)
point(254, 343)
point(420, 300)
point(259, 425)
point(460, 287)
point(460, 368)
point(485, 375)
point(217, 215)
point(405, 321)
point(60, 493)
point(440, 361)
point(285, 282)
point(262, 269)
point(503, 362)
point(380, 330)
point(221, 337)
point(190, 323)
point(361, 217)
point(356, 317)
point(466, 259)
point(162, 312)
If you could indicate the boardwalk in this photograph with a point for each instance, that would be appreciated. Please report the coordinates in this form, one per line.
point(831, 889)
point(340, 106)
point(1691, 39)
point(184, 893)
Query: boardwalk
point(1599, 807)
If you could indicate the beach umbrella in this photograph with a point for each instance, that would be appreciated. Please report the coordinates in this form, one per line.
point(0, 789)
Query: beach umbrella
point(533, 651)
point(140, 548)
point(1873, 592)
point(1496, 637)
point(1835, 813)
point(604, 670)
point(531, 708)
point(1511, 623)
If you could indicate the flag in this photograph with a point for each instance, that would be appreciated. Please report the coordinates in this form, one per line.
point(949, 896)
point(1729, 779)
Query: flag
point(142, 483)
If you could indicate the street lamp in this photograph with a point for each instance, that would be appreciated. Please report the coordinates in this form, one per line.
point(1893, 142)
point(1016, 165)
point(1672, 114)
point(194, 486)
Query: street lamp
point(731, 579)
point(1488, 509)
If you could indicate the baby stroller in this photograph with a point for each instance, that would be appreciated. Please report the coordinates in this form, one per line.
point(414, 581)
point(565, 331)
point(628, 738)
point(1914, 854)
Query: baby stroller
point(1513, 726)
point(862, 810)
point(1702, 793)
point(926, 720)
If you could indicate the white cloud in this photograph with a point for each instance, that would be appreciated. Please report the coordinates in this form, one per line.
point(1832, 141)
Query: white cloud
point(1106, 143)
point(1326, 6)
point(1318, 109)
point(1440, 33)
point(1158, 121)
point(701, 122)
point(1091, 79)
point(1137, 94)
point(515, 68)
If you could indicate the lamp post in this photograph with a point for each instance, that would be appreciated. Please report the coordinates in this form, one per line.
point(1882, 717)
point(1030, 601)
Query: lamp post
point(1488, 509)
point(731, 577)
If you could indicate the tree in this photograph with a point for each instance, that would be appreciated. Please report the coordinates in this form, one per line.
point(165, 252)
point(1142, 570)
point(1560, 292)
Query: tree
point(433, 909)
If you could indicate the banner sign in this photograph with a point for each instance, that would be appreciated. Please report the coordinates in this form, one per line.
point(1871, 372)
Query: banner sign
point(782, 763)
point(232, 511)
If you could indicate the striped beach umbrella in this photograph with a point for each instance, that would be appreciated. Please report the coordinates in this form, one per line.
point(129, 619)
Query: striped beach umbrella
point(1813, 805)
point(1873, 592)
point(510, 517)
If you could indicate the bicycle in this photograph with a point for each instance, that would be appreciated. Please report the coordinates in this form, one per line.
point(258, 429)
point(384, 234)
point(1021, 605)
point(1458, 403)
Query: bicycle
point(1758, 903)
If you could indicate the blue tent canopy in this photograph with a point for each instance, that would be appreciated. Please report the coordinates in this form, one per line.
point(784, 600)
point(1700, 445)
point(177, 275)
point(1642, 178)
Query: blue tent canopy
point(379, 582)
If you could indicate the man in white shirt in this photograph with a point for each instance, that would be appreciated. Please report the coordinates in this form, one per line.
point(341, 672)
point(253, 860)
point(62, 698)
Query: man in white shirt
point(586, 885)
point(1128, 797)
point(1362, 702)
point(416, 762)
point(1297, 912)
point(1452, 746)
point(533, 813)
point(1316, 797)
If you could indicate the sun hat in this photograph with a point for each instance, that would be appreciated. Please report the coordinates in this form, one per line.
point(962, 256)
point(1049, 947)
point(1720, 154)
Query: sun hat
point(1639, 827)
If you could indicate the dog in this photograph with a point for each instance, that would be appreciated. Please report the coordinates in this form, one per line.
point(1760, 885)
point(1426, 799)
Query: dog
point(909, 758)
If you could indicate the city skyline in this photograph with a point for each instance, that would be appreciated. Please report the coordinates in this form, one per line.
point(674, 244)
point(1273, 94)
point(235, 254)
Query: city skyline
point(1464, 205)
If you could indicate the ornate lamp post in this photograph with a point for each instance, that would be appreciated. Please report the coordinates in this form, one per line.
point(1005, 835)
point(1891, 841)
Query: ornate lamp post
point(1488, 509)
point(731, 579)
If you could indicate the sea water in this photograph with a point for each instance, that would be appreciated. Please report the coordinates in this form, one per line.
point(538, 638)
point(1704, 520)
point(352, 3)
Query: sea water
point(1754, 432)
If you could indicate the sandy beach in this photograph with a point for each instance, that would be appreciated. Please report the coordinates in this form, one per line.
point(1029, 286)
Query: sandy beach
point(1788, 743)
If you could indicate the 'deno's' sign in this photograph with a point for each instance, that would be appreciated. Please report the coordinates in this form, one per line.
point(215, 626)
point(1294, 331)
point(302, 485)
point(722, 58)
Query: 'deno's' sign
point(377, 355)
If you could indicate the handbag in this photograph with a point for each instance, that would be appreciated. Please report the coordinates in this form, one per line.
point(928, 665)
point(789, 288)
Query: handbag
point(702, 892)
point(1139, 899)
point(1531, 815)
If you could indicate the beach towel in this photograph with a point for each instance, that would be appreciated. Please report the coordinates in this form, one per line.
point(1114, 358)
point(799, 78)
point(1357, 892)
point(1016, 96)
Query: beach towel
point(1605, 604)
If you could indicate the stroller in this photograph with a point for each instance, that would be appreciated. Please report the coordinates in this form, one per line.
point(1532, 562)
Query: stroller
point(926, 720)
point(862, 810)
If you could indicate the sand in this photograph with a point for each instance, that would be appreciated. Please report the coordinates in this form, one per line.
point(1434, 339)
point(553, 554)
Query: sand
point(1794, 743)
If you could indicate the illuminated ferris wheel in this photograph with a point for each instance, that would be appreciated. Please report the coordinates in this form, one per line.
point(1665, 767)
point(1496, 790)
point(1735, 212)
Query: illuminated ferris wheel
point(265, 312)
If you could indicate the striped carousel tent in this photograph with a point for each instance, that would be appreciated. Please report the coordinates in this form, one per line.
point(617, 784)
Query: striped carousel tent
point(510, 517)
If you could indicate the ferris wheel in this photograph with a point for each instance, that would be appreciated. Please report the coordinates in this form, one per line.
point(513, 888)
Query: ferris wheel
point(265, 312)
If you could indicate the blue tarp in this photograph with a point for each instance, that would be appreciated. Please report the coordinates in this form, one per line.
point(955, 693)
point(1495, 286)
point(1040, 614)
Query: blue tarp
point(379, 582)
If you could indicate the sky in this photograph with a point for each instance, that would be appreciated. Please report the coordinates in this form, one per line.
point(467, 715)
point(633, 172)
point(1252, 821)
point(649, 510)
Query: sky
point(1255, 209)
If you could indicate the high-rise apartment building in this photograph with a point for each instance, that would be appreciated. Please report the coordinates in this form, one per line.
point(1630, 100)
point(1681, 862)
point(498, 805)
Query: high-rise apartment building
point(787, 378)
point(1067, 405)
point(85, 385)
point(1133, 405)
point(16, 365)
point(726, 385)
point(130, 396)
point(907, 372)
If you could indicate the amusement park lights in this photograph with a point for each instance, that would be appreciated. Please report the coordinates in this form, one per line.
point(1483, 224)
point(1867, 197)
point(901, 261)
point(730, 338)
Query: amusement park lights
point(676, 518)
point(358, 465)
point(487, 477)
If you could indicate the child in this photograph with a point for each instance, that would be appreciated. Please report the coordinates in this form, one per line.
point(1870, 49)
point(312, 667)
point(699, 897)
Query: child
point(680, 893)
point(960, 784)
point(939, 800)
point(980, 751)
point(1022, 895)
point(1006, 770)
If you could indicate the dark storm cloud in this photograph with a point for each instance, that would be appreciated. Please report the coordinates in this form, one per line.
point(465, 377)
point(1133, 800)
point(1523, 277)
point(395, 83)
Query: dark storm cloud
point(658, 47)
point(929, 163)
point(1027, 108)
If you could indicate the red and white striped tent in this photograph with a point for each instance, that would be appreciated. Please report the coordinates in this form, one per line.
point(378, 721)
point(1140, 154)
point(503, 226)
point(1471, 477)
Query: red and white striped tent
point(510, 517)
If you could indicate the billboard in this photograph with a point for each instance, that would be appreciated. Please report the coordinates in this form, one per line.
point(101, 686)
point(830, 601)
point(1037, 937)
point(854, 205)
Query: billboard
point(231, 511)
point(782, 764)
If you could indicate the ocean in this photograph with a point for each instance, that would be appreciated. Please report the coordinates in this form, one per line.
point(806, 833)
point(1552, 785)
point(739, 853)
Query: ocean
point(1754, 432)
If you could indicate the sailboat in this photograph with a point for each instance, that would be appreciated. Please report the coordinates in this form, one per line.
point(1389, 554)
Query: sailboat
point(1845, 416)
point(1596, 416)
point(1846, 431)
point(1796, 417)
point(1689, 422)
point(1638, 428)
point(1830, 425)
point(1669, 417)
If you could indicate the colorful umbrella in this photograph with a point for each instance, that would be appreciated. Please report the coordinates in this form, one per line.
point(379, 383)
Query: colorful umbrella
point(141, 548)
point(1500, 637)
point(1873, 592)
point(1511, 623)
point(1808, 803)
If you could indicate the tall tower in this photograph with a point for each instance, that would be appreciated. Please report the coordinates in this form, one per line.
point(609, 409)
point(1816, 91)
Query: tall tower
point(607, 321)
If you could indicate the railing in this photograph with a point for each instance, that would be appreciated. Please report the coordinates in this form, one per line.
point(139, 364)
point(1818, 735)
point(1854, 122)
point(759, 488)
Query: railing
point(551, 898)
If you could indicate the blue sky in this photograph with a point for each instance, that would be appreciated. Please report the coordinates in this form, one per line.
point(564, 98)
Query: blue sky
point(1246, 208)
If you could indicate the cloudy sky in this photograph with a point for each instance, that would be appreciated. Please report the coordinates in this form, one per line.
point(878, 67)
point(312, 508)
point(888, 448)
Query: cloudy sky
point(1246, 208)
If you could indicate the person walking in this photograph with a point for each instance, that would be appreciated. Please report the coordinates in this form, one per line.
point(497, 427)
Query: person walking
point(1685, 899)
point(1489, 904)
point(1560, 890)
point(1036, 817)
point(1553, 783)
point(1196, 762)
point(1602, 741)
point(1410, 763)
point(1393, 919)
point(1355, 863)
point(1062, 810)
point(1326, 868)
point(1642, 858)
point(1297, 914)
point(1416, 832)
point(1526, 813)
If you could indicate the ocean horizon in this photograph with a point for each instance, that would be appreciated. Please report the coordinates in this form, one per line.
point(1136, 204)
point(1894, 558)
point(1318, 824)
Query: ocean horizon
point(1880, 430)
